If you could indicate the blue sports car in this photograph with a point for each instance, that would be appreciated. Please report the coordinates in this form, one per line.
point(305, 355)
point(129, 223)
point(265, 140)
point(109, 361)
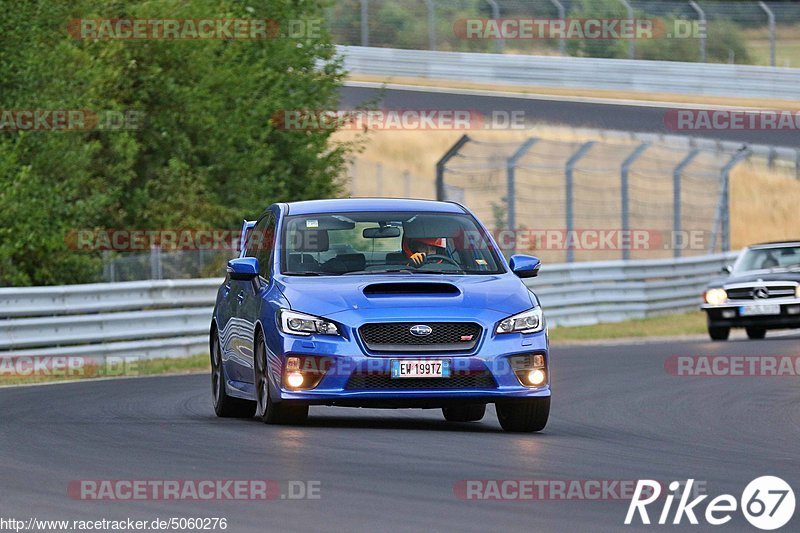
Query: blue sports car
point(378, 303)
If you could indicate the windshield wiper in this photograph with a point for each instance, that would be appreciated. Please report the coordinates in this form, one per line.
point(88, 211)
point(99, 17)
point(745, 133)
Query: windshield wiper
point(311, 274)
point(387, 271)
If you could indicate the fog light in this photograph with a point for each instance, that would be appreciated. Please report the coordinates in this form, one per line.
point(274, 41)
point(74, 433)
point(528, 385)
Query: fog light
point(793, 310)
point(294, 380)
point(536, 377)
point(729, 314)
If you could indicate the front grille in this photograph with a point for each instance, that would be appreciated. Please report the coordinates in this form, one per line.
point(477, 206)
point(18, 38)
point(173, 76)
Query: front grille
point(749, 293)
point(444, 337)
point(475, 380)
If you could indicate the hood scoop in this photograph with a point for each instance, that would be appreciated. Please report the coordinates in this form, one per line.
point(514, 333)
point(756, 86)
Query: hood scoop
point(377, 290)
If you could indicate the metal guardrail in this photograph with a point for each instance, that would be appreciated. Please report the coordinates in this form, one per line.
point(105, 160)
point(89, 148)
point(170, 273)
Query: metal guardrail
point(577, 72)
point(171, 318)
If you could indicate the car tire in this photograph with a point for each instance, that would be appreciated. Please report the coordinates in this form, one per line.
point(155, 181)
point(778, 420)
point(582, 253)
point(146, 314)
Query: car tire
point(719, 334)
point(225, 406)
point(756, 333)
point(524, 416)
point(464, 413)
point(268, 411)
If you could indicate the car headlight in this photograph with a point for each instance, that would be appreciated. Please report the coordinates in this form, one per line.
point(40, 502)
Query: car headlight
point(303, 324)
point(716, 296)
point(797, 292)
point(529, 321)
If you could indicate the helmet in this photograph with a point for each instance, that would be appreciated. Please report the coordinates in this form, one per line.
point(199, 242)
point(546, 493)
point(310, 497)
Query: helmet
point(438, 242)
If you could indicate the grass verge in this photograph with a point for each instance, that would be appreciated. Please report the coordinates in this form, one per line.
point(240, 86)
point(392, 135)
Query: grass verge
point(659, 326)
point(20, 371)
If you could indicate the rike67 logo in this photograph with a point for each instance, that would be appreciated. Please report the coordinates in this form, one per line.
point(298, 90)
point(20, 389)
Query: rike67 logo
point(767, 503)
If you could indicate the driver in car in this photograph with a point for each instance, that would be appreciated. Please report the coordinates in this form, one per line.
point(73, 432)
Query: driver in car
point(417, 250)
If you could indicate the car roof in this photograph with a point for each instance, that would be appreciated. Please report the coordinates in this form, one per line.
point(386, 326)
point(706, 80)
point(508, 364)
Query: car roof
point(350, 205)
point(776, 244)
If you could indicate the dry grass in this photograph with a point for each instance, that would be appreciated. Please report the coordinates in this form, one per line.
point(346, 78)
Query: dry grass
point(764, 203)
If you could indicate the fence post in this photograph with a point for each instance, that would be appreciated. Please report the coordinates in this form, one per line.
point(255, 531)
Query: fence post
point(562, 14)
point(364, 23)
point(631, 42)
point(440, 166)
point(723, 213)
point(677, 214)
point(511, 164)
point(701, 15)
point(771, 21)
point(626, 213)
point(569, 186)
point(499, 44)
point(155, 262)
point(431, 24)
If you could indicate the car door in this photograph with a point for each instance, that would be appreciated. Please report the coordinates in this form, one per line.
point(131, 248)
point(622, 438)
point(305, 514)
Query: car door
point(244, 296)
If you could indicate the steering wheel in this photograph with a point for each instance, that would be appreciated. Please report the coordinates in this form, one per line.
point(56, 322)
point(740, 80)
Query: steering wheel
point(430, 258)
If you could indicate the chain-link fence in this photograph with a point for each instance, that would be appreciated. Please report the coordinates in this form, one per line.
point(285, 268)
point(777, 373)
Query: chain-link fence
point(742, 32)
point(594, 200)
point(165, 264)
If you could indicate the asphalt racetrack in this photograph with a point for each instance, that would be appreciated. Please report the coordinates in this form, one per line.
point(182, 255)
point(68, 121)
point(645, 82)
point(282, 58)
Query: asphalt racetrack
point(616, 415)
point(586, 114)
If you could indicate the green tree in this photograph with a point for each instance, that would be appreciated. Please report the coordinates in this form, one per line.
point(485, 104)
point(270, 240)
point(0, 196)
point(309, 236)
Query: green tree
point(207, 152)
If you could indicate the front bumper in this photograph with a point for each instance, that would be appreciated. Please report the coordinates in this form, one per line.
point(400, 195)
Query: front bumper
point(489, 360)
point(730, 314)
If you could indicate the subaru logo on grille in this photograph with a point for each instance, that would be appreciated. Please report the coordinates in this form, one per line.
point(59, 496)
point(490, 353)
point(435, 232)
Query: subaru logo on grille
point(761, 292)
point(420, 330)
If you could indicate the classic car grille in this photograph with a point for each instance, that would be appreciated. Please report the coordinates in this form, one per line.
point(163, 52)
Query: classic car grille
point(397, 337)
point(749, 293)
point(475, 380)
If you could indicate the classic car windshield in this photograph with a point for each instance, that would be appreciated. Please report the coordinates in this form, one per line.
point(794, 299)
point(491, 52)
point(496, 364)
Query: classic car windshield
point(778, 258)
point(366, 243)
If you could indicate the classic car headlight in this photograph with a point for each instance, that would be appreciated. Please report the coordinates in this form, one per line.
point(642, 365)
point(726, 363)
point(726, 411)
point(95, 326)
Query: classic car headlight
point(716, 296)
point(303, 324)
point(529, 321)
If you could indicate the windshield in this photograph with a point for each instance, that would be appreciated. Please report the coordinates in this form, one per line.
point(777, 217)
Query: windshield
point(367, 243)
point(782, 258)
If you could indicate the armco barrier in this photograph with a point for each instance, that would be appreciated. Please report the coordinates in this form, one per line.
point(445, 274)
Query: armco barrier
point(171, 318)
point(577, 72)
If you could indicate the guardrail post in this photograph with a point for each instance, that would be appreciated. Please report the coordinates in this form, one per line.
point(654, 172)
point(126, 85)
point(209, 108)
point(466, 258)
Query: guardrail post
point(631, 42)
point(562, 14)
point(499, 44)
point(155, 262)
point(701, 15)
point(440, 165)
point(676, 198)
point(511, 194)
point(570, 197)
point(771, 22)
point(626, 214)
point(364, 23)
point(723, 214)
point(431, 24)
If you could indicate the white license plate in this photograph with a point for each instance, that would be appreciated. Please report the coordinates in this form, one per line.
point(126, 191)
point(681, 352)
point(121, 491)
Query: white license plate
point(420, 368)
point(759, 310)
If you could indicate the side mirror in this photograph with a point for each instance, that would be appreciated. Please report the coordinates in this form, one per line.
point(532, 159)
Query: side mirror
point(727, 269)
point(243, 269)
point(525, 266)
